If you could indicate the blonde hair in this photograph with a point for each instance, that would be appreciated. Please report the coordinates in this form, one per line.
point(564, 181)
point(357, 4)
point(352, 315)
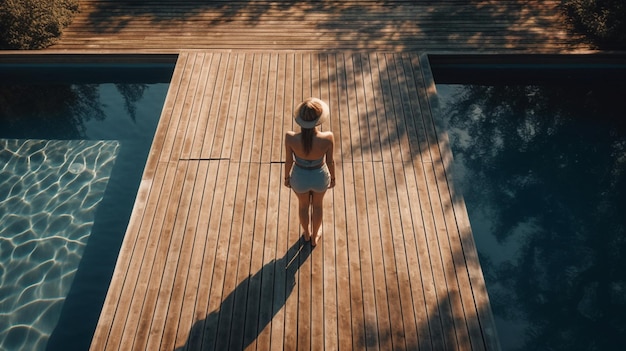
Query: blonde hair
point(310, 110)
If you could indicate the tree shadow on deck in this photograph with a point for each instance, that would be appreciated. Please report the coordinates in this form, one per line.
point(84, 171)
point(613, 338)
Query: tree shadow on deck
point(476, 25)
point(248, 309)
point(111, 17)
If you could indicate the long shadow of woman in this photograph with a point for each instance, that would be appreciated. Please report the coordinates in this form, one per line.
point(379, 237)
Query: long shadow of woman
point(246, 311)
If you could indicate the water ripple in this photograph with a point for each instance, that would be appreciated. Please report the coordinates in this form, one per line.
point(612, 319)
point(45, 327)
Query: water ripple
point(49, 192)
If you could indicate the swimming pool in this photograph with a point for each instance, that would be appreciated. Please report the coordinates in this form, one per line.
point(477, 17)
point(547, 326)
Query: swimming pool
point(540, 156)
point(74, 139)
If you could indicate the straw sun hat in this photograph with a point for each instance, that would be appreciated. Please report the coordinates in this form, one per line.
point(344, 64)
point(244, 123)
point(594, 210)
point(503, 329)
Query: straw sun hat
point(299, 113)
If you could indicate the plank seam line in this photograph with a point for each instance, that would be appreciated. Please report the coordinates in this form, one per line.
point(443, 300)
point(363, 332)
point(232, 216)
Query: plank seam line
point(205, 159)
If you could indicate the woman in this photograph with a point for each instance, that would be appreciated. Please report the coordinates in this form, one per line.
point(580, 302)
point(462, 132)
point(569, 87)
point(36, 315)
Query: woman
point(309, 164)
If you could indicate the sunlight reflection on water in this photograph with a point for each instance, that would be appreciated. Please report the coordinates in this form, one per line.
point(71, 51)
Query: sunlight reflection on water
point(48, 197)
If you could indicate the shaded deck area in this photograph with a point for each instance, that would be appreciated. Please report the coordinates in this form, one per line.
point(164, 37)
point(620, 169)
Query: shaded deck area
point(327, 25)
point(213, 257)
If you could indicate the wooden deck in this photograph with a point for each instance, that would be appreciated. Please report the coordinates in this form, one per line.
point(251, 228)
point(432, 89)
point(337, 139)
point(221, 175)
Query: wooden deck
point(213, 258)
point(328, 25)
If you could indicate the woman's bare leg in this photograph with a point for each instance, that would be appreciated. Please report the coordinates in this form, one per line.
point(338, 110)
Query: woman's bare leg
point(317, 202)
point(304, 205)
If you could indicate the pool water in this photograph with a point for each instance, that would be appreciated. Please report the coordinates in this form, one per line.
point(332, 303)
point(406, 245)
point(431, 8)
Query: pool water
point(72, 152)
point(542, 168)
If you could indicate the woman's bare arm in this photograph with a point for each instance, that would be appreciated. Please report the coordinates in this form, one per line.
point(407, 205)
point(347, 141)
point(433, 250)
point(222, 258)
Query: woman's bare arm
point(330, 159)
point(288, 159)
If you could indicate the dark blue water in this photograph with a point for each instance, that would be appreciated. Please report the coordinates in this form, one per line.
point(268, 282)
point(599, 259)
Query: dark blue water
point(112, 102)
point(542, 167)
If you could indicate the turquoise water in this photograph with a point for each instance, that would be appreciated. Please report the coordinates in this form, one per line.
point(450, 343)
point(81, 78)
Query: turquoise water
point(48, 199)
point(71, 158)
point(542, 168)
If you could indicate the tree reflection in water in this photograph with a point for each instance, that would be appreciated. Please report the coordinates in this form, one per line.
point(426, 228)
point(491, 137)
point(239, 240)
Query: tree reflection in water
point(34, 111)
point(95, 105)
point(543, 173)
point(131, 94)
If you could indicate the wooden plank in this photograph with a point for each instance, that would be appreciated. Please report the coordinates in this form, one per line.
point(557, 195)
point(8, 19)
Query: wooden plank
point(347, 323)
point(280, 327)
point(429, 326)
point(344, 321)
point(391, 137)
point(203, 329)
point(294, 229)
point(352, 111)
point(188, 135)
point(421, 278)
point(278, 116)
point(271, 25)
point(255, 322)
point(382, 320)
point(152, 177)
point(236, 247)
point(304, 272)
point(410, 100)
point(289, 102)
point(173, 140)
point(317, 257)
point(333, 104)
point(371, 120)
point(267, 310)
point(259, 134)
point(248, 129)
point(396, 263)
point(380, 114)
point(189, 320)
point(143, 293)
point(469, 248)
point(370, 317)
point(205, 124)
point(218, 261)
point(354, 269)
point(225, 103)
point(471, 335)
point(329, 285)
point(345, 138)
point(215, 329)
point(215, 119)
point(360, 107)
point(158, 286)
point(395, 81)
point(250, 117)
point(406, 188)
point(270, 136)
point(231, 148)
point(463, 250)
point(244, 275)
point(174, 275)
point(180, 77)
point(387, 270)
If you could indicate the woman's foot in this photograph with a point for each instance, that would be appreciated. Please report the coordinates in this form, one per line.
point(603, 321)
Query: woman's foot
point(307, 236)
point(316, 239)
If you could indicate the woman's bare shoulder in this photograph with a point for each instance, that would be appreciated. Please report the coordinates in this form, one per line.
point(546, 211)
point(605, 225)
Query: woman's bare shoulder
point(328, 135)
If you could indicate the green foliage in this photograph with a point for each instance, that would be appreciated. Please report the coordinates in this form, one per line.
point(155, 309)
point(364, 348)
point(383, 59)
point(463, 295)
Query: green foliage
point(33, 24)
point(603, 21)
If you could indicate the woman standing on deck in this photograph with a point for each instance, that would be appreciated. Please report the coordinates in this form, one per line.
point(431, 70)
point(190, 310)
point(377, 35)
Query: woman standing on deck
point(314, 172)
